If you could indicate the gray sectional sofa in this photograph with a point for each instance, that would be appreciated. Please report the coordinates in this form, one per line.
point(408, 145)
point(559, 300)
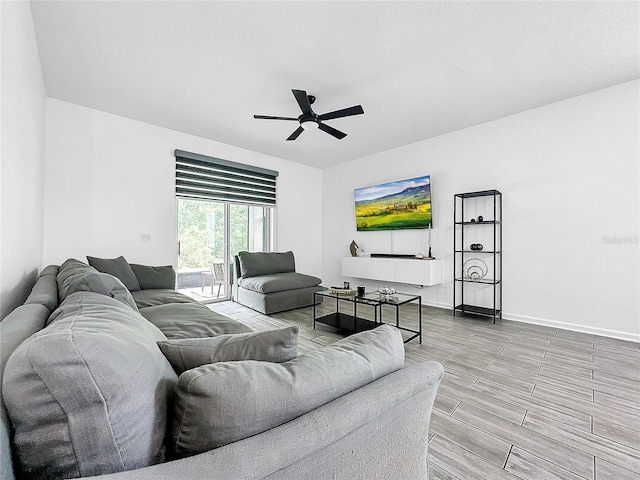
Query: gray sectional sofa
point(101, 380)
point(268, 282)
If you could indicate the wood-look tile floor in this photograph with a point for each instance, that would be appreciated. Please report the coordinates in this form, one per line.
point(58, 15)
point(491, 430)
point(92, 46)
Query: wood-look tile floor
point(518, 401)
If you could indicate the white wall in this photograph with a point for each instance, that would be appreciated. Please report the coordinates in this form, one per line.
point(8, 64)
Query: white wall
point(569, 176)
point(109, 179)
point(568, 171)
point(22, 166)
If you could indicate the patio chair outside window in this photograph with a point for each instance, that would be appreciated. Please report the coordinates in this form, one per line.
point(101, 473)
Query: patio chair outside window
point(217, 277)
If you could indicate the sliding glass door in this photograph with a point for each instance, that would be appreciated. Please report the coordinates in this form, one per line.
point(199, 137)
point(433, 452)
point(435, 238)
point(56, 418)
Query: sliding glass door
point(209, 235)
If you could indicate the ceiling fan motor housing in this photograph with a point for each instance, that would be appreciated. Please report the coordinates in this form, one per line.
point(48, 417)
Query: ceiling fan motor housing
point(309, 123)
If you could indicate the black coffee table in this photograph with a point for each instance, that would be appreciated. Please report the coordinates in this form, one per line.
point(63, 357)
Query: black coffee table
point(354, 323)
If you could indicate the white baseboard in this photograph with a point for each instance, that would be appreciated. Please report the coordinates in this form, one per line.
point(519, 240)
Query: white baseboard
point(605, 332)
point(446, 306)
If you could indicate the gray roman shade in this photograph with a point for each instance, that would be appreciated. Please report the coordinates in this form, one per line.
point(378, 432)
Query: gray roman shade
point(208, 178)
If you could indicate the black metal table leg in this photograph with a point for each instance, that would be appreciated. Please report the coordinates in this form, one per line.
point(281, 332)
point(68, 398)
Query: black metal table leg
point(355, 315)
point(420, 318)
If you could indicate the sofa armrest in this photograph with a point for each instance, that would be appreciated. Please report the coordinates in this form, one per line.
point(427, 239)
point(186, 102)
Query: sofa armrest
point(378, 431)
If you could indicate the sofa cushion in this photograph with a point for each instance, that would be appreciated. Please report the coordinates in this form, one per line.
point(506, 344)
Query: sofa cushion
point(88, 394)
point(159, 296)
point(104, 284)
point(191, 320)
point(150, 277)
point(224, 402)
point(44, 292)
point(253, 264)
point(16, 327)
point(267, 346)
point(278, 282)
point(70, 272)
point(119, 268)
point(50, 270)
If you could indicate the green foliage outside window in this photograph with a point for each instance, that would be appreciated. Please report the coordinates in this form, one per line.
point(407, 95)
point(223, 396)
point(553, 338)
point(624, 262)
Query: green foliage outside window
point(201, 232)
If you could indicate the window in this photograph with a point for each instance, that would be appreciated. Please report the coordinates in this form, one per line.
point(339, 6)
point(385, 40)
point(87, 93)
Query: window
point(223, 208)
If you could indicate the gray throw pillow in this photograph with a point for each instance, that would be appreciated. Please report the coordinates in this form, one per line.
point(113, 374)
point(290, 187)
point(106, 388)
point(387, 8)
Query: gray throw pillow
point(270, 346)
point(104, 284)
point(224, 402)
point(119, 268)
point(154, 277)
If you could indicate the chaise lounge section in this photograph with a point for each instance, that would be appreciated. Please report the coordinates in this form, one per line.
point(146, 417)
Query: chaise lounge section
point(268, 282)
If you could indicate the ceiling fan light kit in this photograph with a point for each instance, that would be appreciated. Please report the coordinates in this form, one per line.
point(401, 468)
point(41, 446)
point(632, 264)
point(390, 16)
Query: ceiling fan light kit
point(310, 120)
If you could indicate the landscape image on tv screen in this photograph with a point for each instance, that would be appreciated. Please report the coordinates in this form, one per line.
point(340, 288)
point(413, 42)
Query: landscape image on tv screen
point(394, 206)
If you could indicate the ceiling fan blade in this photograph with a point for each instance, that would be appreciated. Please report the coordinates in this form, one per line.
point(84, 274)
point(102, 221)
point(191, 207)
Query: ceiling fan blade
point(331, 131)
point(303, 101)
point(296, 134)
point(269, 117)
point(345, 112)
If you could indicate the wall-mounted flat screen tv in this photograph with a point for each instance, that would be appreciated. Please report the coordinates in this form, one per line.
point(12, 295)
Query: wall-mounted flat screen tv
point(394, 206)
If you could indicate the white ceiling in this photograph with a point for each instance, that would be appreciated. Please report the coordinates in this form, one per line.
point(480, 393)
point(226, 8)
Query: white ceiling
point(419, 69)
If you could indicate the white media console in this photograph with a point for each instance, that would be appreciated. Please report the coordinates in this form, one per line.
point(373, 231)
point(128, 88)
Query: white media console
point(412, 271)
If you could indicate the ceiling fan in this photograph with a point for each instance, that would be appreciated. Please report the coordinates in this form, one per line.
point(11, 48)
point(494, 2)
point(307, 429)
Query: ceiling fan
point(310, 119)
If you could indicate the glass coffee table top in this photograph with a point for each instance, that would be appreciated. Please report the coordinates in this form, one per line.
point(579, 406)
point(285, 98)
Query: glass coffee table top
point(372, 297)
point(394, 299)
